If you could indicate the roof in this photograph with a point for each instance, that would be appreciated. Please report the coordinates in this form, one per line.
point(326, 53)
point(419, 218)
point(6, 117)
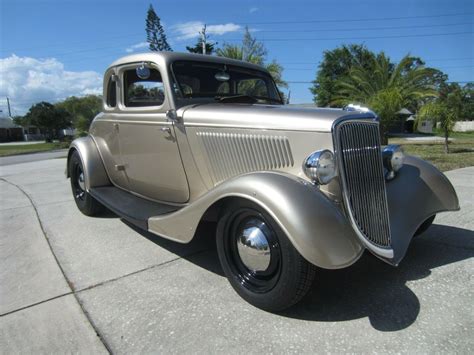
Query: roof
point(6, 122)
point(404, 111)
point(169, 57)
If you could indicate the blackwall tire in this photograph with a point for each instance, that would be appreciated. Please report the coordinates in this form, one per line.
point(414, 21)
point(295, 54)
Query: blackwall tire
point(84, 201)
point(274, 280)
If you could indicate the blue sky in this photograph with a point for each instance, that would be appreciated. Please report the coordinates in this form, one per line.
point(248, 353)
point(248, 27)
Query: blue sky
point(50, 49)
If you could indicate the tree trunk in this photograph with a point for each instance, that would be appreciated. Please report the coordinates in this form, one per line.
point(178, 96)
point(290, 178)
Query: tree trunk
point(446, 140)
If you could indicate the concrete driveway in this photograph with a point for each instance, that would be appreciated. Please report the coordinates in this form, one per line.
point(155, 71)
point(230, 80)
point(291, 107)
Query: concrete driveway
point(70, 283)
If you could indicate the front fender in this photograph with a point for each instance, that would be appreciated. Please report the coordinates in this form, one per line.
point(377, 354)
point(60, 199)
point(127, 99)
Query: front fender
point(417, 192)
point(94, 171)
point(314, 224)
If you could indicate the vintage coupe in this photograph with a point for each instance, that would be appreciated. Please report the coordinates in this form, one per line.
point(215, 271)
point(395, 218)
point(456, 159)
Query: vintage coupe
point(185, 138)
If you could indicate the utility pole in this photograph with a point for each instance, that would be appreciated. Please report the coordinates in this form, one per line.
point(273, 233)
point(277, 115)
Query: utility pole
point(203, 39)
point(9, 109)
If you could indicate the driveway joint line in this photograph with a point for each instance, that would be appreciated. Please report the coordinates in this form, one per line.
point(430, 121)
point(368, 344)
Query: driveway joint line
point(35, 304)
point(86, 314)
point(141, 270)
point(16, 208)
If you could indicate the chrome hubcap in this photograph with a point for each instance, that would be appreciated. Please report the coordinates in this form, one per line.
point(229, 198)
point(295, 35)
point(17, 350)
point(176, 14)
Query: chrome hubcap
point(253, 249)
point(80, 181)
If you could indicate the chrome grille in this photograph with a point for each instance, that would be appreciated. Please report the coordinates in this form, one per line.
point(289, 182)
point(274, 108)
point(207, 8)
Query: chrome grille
point(358, 148)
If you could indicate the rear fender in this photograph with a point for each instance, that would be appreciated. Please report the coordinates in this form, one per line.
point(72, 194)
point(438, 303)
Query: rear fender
point(95, 174)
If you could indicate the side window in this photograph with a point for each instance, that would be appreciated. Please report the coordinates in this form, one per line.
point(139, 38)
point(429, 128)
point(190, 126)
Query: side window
point(111, 93)
point(252, 87)
point(143, 92)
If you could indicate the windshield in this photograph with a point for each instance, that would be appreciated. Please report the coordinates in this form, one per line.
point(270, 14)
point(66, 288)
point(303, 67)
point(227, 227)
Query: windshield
point(223, 82)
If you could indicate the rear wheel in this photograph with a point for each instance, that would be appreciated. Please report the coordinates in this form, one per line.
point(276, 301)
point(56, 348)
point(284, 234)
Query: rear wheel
point(258, 259)
point(84, 201)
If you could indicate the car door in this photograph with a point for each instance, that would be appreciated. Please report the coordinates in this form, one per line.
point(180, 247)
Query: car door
point(148, 145)
point(105, 132)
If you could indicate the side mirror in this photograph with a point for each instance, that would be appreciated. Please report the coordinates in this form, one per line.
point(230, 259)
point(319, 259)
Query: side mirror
point(171, 116)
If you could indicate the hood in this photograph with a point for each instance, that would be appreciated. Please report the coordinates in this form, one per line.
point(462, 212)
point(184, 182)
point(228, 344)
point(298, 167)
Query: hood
point(278, 117)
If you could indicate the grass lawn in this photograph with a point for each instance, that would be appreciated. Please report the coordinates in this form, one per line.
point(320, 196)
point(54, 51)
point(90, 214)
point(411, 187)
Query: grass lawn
point(461, 151)
point(6, 150)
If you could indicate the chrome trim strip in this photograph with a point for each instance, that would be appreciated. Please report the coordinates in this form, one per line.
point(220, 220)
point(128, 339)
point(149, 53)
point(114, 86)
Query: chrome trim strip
point(159, 123)
point(216, 125)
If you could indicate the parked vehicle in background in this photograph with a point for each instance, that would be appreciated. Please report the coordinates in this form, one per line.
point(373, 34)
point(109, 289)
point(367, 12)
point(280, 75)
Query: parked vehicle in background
point(185, 138)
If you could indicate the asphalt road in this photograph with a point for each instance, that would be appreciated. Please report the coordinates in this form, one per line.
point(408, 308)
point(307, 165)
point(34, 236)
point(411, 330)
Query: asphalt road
point(70, 283)
point(26, 158)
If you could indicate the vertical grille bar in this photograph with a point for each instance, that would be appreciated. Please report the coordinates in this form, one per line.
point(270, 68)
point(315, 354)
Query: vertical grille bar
point(362, 171)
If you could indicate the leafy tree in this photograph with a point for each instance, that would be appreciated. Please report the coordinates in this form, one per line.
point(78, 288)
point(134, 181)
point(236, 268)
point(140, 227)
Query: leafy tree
point(385, 87)
point(253, 51)
point(82, 109)
point(467, 112)
point(48, 118)
point(445, 110)
point(21, 121)
point(82, 125)
point(337, 64)
point(155, 34)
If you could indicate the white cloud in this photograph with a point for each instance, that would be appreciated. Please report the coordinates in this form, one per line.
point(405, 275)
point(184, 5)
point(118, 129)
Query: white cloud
point(191, 29)
point(28, 80)
point(253, 9)
point(134, 47)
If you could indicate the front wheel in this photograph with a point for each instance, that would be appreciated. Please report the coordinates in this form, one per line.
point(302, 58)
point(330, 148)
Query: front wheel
point(259, 261)
point(425, 225)
point(84, 201)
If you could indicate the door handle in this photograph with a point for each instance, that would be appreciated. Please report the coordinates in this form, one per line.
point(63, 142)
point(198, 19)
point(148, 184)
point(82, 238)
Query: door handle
point(165, 129)
point(116, 126)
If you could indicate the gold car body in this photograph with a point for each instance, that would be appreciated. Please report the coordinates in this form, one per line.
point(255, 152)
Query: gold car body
point(194, 155)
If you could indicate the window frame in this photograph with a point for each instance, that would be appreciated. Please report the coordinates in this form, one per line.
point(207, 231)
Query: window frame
point(109, 84)
point(264, 74)
point(121, 94)
point(105, 89)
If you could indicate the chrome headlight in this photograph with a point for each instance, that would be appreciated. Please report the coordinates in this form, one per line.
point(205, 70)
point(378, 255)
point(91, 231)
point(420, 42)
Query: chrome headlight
point(320, 167)
point(393, 158)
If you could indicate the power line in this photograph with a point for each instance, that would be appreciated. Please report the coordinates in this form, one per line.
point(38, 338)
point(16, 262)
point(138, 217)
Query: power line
point(107, 39)
point(312, 82)
point(366, 28)
point(297, 22)
point(426, 60)
point(351, 19)
point(357, 38)
point(449, 67)
point(287, 40)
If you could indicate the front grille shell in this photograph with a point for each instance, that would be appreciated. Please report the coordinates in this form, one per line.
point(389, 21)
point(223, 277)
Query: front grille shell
point(359, 159)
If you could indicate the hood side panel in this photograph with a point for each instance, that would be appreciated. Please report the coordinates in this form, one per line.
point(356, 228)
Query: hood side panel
point(268, 117)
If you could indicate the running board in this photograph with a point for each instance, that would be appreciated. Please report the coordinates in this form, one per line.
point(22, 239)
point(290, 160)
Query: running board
point(134, 209)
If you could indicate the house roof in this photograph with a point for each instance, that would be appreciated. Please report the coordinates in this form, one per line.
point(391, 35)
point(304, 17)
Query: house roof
point(404, 111)
point(6, 122)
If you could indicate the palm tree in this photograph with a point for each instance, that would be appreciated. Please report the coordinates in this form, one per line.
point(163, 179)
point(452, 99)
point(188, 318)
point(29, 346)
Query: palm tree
point(254, 52)
point(385, 87)
point(442, 113)
point(445, 110)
